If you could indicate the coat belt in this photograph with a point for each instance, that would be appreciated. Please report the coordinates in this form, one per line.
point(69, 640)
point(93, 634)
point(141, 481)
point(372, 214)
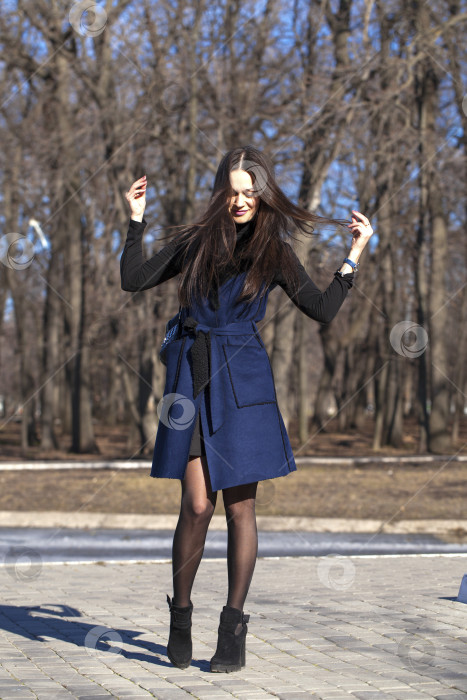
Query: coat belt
point(209, 366)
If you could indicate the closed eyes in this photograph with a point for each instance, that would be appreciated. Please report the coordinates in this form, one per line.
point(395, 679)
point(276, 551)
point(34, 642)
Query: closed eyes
point(247, 193)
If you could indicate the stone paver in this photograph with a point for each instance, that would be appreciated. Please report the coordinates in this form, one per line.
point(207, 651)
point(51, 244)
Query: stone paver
point(324, 627)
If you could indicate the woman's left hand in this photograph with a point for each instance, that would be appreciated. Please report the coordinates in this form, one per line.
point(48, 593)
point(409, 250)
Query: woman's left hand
point(361, 231)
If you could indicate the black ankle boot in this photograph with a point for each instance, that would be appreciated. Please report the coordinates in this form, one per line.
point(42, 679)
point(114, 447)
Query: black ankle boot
point(179, 647)
point(230, 652)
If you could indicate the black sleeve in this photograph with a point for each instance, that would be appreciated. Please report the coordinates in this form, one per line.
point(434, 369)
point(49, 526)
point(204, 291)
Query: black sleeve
point(321, 306)
point(136, 274)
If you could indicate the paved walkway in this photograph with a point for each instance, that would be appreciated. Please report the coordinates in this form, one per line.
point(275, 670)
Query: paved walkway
point(320, 627)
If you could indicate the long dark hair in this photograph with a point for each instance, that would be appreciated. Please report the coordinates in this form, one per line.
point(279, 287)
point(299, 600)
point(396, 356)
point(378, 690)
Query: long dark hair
point(210, 243)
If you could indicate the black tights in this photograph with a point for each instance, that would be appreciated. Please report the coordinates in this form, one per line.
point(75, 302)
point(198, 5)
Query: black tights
point(196, 510)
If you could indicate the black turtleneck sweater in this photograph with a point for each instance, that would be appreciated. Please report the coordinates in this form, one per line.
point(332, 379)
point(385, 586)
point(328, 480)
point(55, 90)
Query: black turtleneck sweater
point(137, 274)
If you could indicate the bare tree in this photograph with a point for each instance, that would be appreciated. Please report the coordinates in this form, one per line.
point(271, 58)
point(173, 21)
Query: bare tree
point(355, 101)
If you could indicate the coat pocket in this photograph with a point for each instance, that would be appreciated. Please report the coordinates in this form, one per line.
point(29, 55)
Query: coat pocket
point(250, 375)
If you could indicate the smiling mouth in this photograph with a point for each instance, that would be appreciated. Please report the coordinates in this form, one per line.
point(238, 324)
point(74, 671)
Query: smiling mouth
point(239, 212)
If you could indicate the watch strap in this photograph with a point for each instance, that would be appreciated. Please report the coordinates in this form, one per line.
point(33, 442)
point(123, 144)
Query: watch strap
point(353, 265)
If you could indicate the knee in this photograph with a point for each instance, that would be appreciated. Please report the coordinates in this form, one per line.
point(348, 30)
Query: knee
point(197, 510)
point(240, 510)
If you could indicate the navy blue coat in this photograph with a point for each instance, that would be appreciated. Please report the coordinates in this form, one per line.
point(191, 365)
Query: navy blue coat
point(244, 433)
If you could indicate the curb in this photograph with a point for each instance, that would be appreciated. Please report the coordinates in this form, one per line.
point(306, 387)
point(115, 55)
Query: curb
point(51, 519)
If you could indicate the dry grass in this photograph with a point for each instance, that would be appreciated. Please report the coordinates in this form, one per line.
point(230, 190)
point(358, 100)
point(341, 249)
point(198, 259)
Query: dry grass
point(371, 492)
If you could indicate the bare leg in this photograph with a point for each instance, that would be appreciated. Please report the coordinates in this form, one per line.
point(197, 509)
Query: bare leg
point(196, 509)
point(242, 543)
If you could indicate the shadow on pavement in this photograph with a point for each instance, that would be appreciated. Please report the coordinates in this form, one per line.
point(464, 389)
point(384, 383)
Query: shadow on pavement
point(39, 622)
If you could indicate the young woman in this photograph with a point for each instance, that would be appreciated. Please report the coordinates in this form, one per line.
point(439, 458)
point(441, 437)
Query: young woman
point(220, 427)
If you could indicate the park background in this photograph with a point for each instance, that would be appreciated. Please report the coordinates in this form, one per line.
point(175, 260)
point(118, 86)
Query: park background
point(361, 105)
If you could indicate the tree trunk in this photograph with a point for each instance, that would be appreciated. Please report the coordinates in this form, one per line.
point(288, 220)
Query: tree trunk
point(82, 428)
point(17, 278)
point(50, 358)
point(281, 355)
point(439, 437)
point(302, 379)
point(325, 397)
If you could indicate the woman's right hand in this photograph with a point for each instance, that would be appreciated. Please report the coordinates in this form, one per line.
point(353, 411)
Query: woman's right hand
point(136, 197)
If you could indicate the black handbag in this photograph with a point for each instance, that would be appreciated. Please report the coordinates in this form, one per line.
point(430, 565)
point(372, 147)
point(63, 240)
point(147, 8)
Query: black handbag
point(172, 332)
